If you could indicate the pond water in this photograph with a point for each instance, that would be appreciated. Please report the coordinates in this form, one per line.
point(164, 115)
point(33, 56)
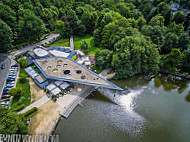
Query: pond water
point(148, 110)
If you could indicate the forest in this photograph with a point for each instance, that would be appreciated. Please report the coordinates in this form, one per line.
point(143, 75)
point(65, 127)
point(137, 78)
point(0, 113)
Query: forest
point(137, 36)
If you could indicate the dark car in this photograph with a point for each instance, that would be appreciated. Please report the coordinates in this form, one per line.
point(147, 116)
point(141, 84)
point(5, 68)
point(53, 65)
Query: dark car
point(10, 79)
point(28, 121)
point(3, 66)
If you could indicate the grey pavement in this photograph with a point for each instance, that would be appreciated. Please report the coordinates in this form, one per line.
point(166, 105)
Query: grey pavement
point(4, 72)
point(37, 104)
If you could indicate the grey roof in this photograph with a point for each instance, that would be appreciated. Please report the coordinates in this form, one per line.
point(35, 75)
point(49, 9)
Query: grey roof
point(54, 67)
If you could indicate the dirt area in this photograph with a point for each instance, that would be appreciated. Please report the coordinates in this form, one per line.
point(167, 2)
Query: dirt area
point(36, 91)
point(44, 120)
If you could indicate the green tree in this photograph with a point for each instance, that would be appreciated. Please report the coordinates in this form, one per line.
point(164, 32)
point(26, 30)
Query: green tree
point(89, 20)
point(8, 15)
point(71, 24)
point(12, 123)
point(185, 62)
point(16, 92)
point(30, 26)
point(175, 28)
point(23, 62)
point(22, 79)
point(6, 37)
point(157, 20)
point(101, 58)
point(171, 41)
point(179, 17)
point(60, 27)
point(171, 60)
point(184, 41)
point(84, 45)
point(156, 33)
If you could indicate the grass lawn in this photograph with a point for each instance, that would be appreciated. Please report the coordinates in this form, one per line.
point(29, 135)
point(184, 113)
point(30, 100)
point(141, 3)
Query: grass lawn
point(25, 92)
point(95, 69)
point(60, 42)
point(77, 42)
point(23, 73)
point(89, 39)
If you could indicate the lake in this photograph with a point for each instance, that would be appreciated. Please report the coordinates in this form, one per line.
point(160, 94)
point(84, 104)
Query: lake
point(150, 109)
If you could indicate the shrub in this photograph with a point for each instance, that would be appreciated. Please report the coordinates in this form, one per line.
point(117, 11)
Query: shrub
point(21, 100)
point(30, 112)
point(23, 62)
point(7, 99)
point(23, 79)
point(84, 45)
point(20, 107)
point(54, 99)
point(16, 92)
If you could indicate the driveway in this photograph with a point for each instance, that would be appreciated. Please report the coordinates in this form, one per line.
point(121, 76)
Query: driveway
point(4, 72)
point(30, 48)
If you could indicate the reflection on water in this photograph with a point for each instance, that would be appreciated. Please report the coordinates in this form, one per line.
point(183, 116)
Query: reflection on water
point(148, 110)
point(123, 115)
point(170, 82)
point(188, 97)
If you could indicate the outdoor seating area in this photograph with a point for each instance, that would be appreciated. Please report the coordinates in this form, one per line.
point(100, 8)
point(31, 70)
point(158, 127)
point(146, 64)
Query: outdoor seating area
point(59, 88)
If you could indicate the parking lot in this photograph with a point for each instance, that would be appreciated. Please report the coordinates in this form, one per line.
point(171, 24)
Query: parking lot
point(4, 72)
point(9, 84)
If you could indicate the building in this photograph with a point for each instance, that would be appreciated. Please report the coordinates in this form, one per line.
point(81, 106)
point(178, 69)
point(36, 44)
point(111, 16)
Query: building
point(62, 52)
point(40, 53)
point(41, 81)
point(66, 69)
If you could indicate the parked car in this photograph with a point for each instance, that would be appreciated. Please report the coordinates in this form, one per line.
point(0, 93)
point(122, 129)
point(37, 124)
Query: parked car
point(5, 96)
point(7, 88)
point(9, 85)
point(10, 79)
point(3, 66)
point(5, 103)
point(13, 69)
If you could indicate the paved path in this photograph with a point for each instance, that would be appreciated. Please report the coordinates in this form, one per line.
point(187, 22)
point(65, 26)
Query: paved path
point(4, 72)
point(70, 101)
point(30, 48)
point(37, 104)
point(71, 43)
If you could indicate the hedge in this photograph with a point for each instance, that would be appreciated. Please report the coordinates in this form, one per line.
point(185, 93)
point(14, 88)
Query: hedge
point(20, 107)
point(30, 112)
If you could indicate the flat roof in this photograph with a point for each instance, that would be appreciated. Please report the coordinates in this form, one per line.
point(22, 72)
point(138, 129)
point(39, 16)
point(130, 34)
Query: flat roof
point(50, 86)
point(40, 52)
point(64, 85)
point(59, 53)
point(41, 78)
point(68, 70)
point(55, 91)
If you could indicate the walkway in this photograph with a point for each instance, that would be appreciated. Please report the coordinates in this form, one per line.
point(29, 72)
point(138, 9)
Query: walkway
point(37, 104)
point(71, 43)
point(70, 101)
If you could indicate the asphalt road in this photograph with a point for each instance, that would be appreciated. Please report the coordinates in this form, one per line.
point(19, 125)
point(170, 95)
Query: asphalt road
point(4, 72)
point(30, 48)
